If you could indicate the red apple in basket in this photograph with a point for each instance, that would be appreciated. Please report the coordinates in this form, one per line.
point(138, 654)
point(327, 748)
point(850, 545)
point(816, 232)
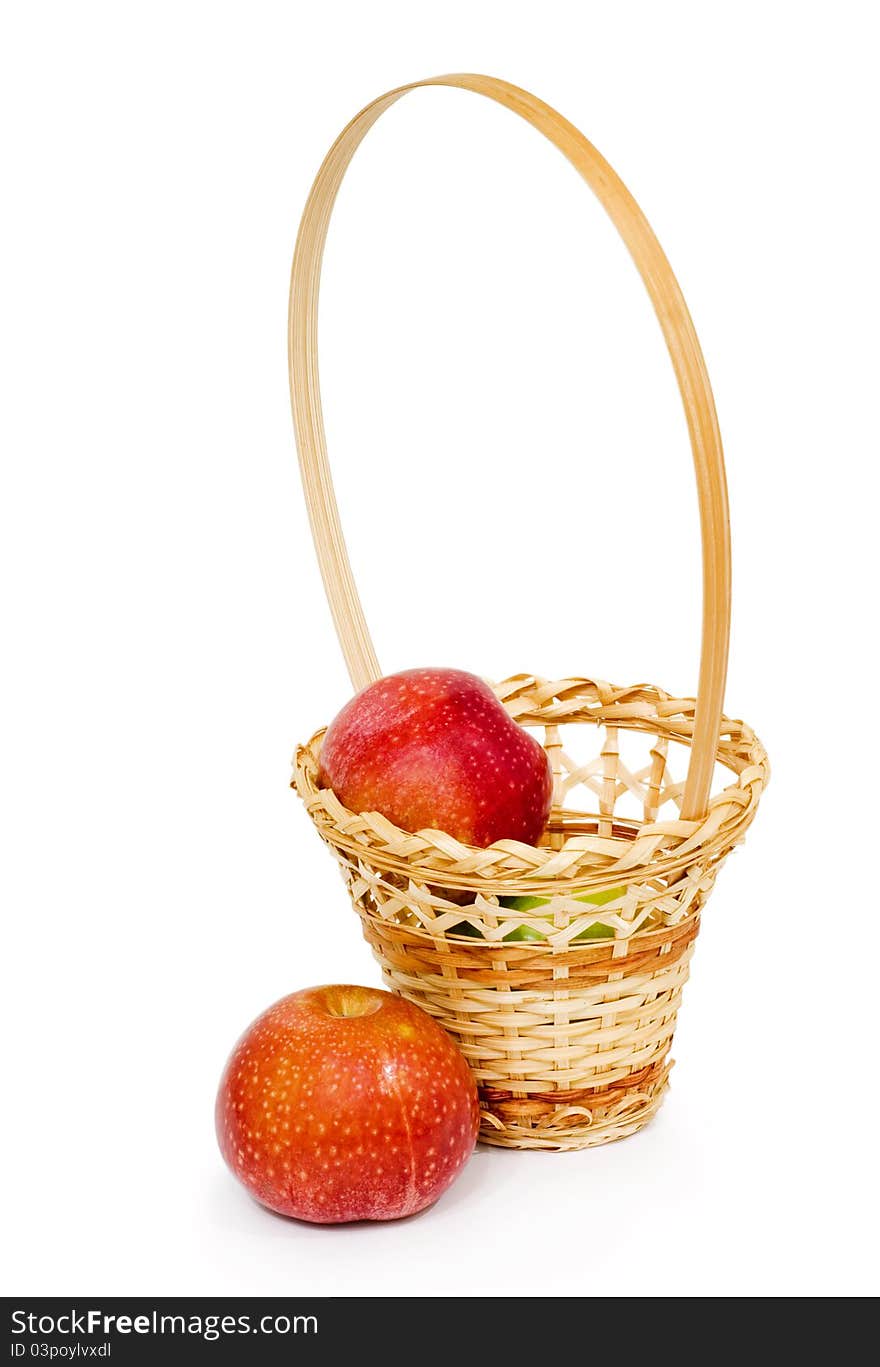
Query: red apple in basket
point(435, 749)
point(346, 1103)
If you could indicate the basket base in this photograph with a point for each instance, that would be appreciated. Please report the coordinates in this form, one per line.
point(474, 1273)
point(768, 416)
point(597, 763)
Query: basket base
point(577, 1127)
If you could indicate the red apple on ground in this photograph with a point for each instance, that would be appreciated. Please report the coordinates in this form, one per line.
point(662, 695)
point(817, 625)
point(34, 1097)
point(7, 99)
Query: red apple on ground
point(346, 1103)
point(435, 749)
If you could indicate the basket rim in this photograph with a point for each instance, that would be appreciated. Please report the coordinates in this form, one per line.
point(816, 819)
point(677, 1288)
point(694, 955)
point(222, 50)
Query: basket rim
point(582, 862)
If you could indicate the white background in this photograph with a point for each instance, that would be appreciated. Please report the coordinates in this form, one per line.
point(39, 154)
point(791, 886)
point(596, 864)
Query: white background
point(514, 476)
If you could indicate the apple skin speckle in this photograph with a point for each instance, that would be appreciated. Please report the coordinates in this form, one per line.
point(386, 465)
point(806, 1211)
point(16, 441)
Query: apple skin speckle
point(346, 1103)
point(435, 749)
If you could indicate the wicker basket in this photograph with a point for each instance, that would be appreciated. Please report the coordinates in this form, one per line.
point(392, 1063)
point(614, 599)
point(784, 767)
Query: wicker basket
point(568, 1036)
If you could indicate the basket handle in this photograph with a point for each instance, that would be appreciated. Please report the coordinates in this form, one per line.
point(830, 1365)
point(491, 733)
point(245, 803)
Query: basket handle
point(687, 361)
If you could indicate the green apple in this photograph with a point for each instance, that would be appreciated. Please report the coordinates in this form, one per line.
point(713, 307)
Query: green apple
point(597, 931)
point(526, 933)
point(465, 928)
point(521, 932)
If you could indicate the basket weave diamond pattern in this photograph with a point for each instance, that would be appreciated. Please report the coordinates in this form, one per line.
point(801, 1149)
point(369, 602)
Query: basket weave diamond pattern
point(568, 1034)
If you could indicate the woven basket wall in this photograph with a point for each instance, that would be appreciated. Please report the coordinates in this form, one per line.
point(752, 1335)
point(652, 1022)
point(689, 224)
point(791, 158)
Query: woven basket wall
point(568, 1036)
